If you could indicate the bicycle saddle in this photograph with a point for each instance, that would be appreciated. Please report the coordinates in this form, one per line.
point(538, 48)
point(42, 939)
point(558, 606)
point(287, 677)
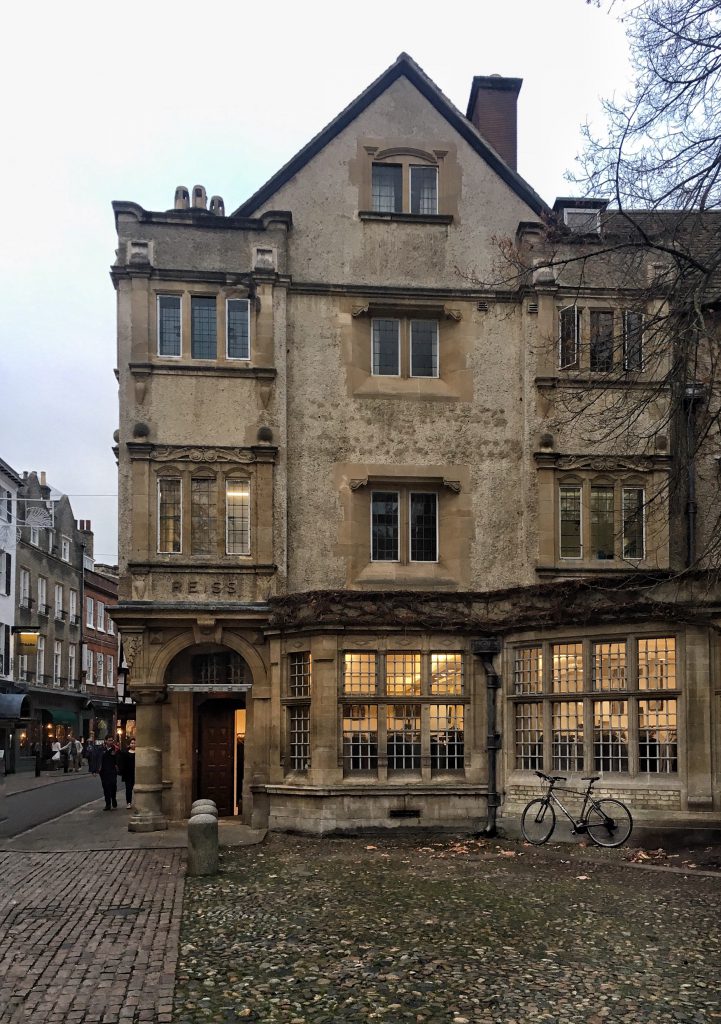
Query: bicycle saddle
point(590, 778)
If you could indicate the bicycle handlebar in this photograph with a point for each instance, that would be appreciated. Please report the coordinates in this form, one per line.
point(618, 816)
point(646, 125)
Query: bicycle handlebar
point(552, 778)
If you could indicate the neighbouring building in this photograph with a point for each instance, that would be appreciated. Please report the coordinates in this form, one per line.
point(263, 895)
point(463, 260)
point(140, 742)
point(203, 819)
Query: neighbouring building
point(51, 555)
point(11, 704)
point(370, 573)
point(100, 651)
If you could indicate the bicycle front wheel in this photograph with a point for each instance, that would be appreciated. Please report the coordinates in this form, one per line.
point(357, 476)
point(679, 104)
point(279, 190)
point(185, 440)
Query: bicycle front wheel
point(538, 822)
point(609, 822)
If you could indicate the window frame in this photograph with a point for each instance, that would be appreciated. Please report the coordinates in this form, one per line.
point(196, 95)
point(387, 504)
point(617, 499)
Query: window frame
point(237, 359)
point(404, 504)
point(179, 298)
point(386, 319)
point(424, 167)
point(436, 350)
point(614, 695)
point(404, 159)
point(230, 481)
point(206, 300)
point(65, 549)
point(297, 700)
point(161, 479)
point(380, 693)
point(586, 485)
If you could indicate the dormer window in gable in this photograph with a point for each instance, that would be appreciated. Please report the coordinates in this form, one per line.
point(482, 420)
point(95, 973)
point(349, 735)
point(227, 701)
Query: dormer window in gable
point(404, 181)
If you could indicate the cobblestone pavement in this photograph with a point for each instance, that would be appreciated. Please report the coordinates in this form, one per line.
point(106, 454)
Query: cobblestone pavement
point(404, 929)
point(89, 938)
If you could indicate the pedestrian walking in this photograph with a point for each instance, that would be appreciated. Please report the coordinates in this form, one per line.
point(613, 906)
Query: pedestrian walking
point(126, 767)
point(68, 752)
point(78, 754)
point(88, 753)
point(108, 771)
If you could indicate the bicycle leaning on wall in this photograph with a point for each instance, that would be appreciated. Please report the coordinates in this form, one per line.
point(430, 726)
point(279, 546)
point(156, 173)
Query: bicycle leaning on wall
point(608, 822)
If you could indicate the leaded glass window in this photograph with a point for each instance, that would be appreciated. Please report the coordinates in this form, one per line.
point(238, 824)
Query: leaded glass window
point(387, 187)
point(403, 737)
point(570, 509)
point(403, 673)
point(386, 347)
point(447, 737)
point(424, 348)
point(601, 354)
point(238, 329)
point(424, 190)
point(634, 502)
point(657, 737)
point(567, 736)
point(360, 737)
point(169, 515)
point(359, 672)
point(203, 515)
point(203, 328)
point(237, 517)
point(385, 527)
point(424, 527)
point(602, 524)
point(610, 736)
point(169, 325)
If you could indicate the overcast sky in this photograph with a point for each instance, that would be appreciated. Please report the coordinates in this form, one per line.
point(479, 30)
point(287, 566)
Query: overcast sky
point(125, 101)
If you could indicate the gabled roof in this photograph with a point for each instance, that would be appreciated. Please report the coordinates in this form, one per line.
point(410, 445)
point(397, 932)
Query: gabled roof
point(406, 67)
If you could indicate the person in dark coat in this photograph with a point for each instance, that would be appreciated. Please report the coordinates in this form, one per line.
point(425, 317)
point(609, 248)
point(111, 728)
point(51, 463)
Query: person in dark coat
point(126, 767)
point(108, 771)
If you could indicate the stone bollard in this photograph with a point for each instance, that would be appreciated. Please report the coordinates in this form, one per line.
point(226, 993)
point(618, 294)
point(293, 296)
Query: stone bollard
point(203, 845)
point(204, 807)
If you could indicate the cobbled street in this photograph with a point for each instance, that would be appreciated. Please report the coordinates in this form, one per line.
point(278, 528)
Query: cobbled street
point(338, 931)
point(89, 937)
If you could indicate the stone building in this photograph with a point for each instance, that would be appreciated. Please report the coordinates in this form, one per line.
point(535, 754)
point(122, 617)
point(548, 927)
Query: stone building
point(371, 574)
point(11, 705)
point(100, 651)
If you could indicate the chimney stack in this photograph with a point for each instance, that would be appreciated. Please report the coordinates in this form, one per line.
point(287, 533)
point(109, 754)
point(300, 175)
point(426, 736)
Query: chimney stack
point(492, 109)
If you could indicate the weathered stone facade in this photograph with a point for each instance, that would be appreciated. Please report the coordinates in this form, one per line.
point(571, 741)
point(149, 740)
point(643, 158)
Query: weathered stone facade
point(364, 582)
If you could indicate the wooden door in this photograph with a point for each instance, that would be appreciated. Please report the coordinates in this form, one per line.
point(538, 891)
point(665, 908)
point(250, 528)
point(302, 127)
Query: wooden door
point(216, 767)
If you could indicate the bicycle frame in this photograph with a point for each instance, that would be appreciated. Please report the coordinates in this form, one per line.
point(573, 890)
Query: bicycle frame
point(579, 824)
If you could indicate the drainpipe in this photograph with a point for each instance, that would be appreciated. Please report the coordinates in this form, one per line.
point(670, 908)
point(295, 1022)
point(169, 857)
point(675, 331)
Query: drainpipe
point(485, 648)
point(693, 393)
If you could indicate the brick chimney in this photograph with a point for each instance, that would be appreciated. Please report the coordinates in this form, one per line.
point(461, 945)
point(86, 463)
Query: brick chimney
point(492, 109)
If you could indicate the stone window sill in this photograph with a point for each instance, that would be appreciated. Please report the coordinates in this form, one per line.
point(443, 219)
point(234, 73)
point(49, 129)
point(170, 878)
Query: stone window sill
point(407, 218)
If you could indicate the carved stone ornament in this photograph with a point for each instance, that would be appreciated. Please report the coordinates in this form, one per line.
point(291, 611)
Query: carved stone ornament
point(140, 586)
point(452, 485)
point(132, 644)
point(605, 463)
point(184, 453)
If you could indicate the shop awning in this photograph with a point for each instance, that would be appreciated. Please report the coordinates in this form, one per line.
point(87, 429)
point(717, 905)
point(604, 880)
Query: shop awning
point(14, 706)
point(61, 717)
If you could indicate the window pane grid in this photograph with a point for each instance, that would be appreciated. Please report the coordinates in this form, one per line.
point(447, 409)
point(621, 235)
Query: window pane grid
point(633, 340)
point(169, 325)
point(299, 738)
point(610, 736)
point(299, 678)
point(567, 668)
point(633, 522)
point(387, 186)
point(602, 525)
point(403, 674)
point(424, 348)
point(657, 737)
point(608, 666)
point(203, 504)
point(447, 738)
point(359, 673)
point(169, 515)
point(529, 736)
point(657, 663)
point(238, 328)
point(360, 737)
point(386, 347)
point(423, 527)
point(237, 512)
point(447, 673)
point(567, 736)
point(601, 354)
point(528, 670)
point(424, 190)
point(384, 526)
point(202, 327)
point(403, 737)
point(570, 509)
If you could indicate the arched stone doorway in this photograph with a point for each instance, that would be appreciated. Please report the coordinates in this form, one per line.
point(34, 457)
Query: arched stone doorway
point(210, 709)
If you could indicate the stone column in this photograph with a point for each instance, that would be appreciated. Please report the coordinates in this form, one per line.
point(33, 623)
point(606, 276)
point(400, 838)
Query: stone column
point(148, 814)
point(325, 770)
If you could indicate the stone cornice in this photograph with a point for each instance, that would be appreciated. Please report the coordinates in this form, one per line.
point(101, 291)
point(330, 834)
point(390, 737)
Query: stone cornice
point(199, 454)
point(602, 463)
point(141, 371)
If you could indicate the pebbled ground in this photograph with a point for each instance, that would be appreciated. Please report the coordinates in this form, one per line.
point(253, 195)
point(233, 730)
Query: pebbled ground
point(450, 931)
